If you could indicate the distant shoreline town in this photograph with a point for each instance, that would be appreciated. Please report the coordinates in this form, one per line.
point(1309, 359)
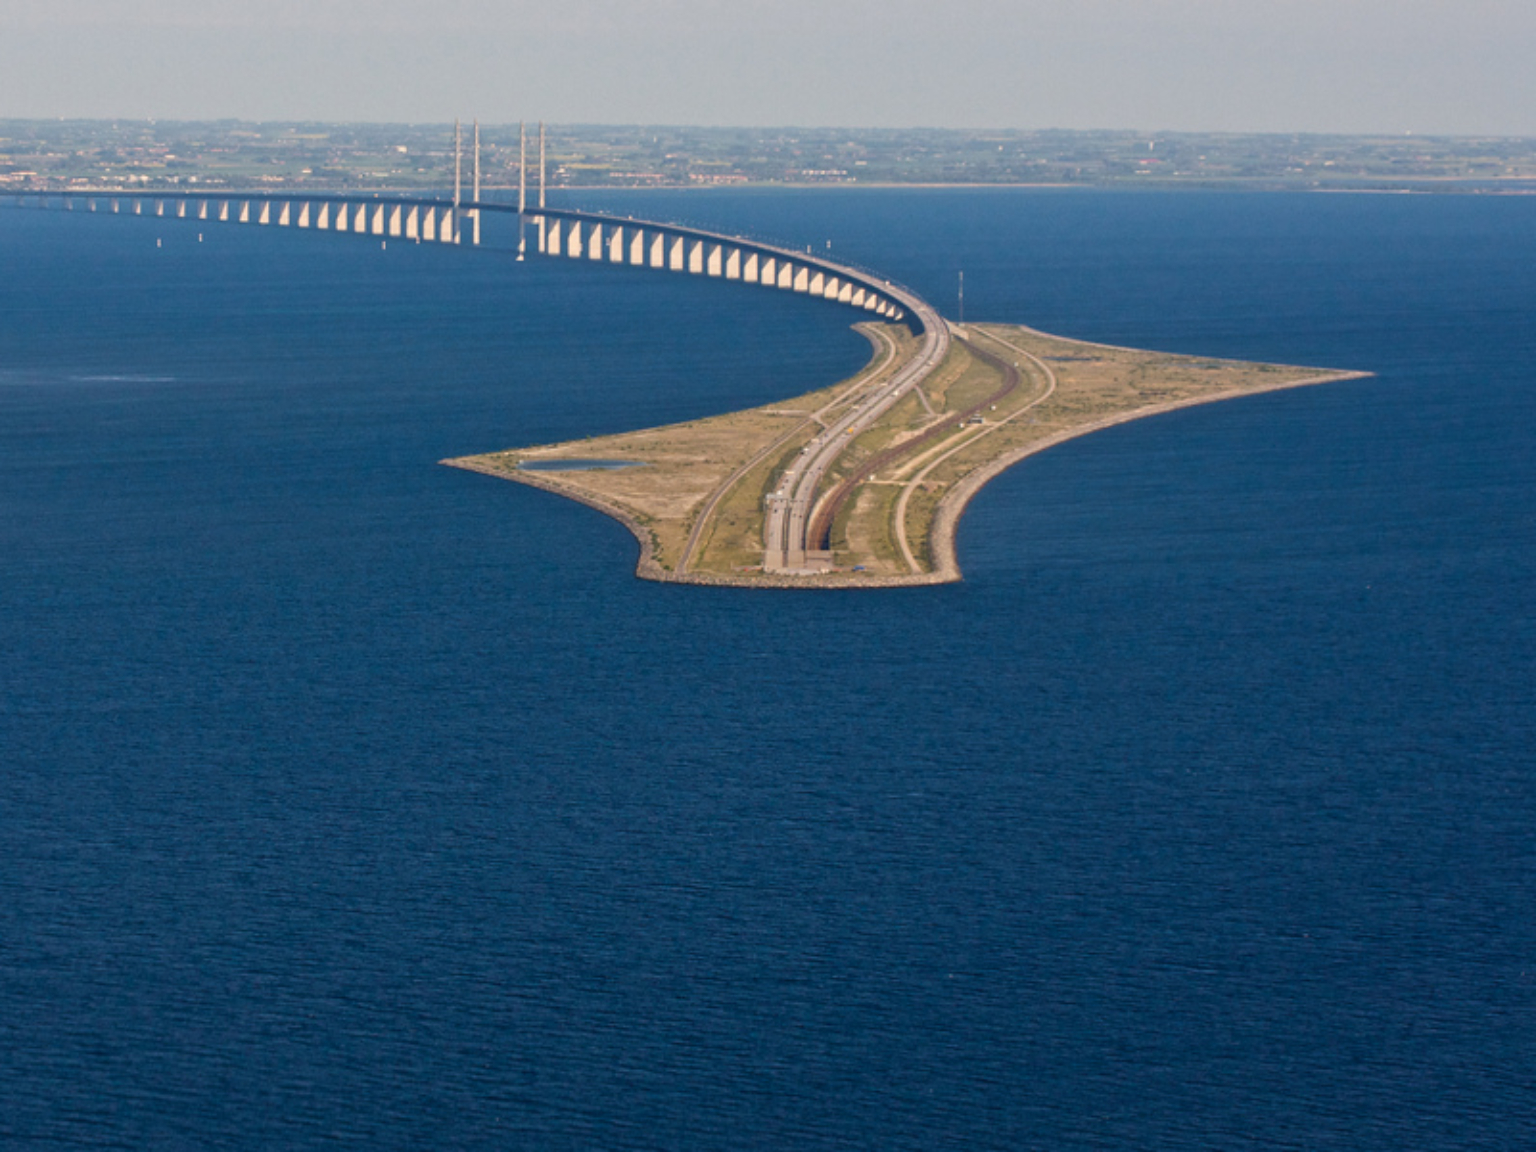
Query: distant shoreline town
point(57, 155)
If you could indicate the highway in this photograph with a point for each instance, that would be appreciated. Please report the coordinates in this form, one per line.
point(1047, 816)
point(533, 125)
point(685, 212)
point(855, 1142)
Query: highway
point(791, 506)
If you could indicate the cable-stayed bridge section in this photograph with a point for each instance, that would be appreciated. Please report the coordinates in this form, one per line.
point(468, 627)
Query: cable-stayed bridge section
point(564, 233)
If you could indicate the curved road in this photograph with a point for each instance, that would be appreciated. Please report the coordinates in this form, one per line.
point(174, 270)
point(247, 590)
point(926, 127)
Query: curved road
point(791, 505)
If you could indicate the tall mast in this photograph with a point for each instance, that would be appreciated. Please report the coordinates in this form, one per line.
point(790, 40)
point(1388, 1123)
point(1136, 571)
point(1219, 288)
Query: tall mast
point(476, 210)
point(543, 236)
point(522, 185)
point(458, 176)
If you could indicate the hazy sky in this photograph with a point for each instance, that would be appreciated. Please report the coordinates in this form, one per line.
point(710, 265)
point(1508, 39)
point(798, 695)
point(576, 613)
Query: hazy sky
point(1425, 66)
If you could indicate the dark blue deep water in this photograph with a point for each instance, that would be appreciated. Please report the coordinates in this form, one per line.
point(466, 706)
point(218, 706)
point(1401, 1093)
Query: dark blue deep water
point(348, 801)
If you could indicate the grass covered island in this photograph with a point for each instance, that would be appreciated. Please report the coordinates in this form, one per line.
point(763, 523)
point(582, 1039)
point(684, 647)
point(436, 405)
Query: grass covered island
point(697, 494)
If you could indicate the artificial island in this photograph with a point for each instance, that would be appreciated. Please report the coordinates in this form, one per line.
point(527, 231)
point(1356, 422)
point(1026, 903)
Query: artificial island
point(798, 493)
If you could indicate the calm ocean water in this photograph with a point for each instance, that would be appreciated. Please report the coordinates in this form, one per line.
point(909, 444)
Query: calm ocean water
point(351, 801)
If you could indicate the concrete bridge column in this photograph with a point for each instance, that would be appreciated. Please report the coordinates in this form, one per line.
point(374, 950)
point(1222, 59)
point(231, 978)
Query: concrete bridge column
point(803, 279)
point(818, 283)
point(323, 217)
point(616, 247)
point(202, 209)
point(637, 248)
point(285, 214)
point(244, 215)
point(303, 220)
point(429, 224)
point(677, 258)
point(378, 220)
point(749, 268)
point(845, 294)
point(696, 257)
point(733, 264)
point(448, 226)
point(265, 215)
point(138, 207)
point(223, 211)
point(159, 207)
point(714, 263)
point(787, 273)
point(573, 245)
point(181, 209)
point(114, 204)
point(394, 220)
point(595, 243)
point(659, 250)
point(413, 222)
point(551, 242)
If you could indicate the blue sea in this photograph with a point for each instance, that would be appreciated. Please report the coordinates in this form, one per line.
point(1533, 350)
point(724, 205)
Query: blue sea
point(350, 801)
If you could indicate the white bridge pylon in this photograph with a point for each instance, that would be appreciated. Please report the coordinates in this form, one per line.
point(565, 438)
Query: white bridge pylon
point(646, 244)
point(559, 232)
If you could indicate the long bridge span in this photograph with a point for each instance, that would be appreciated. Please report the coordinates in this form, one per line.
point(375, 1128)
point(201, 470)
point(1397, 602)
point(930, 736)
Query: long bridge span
point(566, 233)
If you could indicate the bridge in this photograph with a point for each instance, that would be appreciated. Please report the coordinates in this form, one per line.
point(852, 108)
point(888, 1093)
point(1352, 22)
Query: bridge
point(798, 521)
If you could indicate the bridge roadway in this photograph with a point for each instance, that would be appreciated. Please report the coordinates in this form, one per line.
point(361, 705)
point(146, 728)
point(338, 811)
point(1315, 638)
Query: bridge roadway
point(617, 240)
